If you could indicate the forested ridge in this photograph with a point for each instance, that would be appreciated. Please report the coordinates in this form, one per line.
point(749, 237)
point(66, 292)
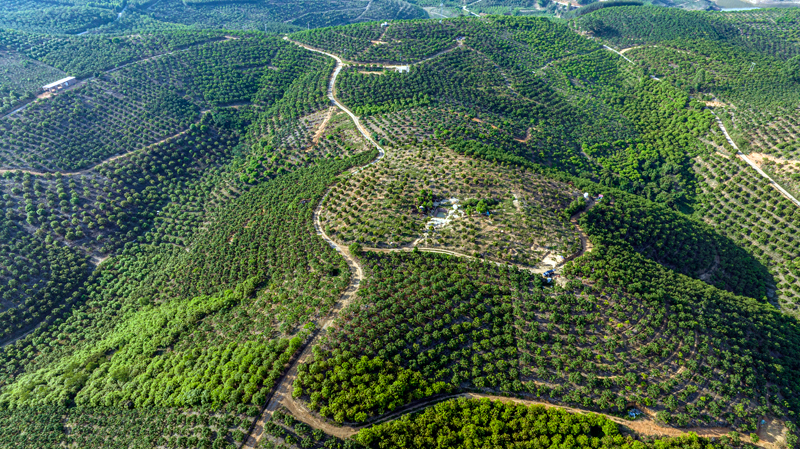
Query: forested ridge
point(200, 249)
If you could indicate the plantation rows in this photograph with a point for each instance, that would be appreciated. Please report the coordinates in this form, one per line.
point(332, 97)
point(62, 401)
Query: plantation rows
point(213, 15)
point(160, 196)
point(274, 17)
point(84, 56)
point(130, 108)
point(782, 24)
point(285, 431)
point(143, 312)
point(147, 16)
point(656, 165)
point(283, 213)
point(478, 88)
point(217, 278)
point(83, 126)
point(757, 217)
point(379, 10)
point(389, 9)
point(35, 17)
point(596, 74)
point(787, 173)
point(466, 423)
point(382, 207)
point(39, 277)
point(773, 132)
point(679, 243)
point(95, 213)
point(628, 26)
point(534, 41)
point(418, 336)
point(283, 145)
point(724, 70)
point(345, 42)
point(473, 325)
point(215, 327)
point(233, 76)
point(489, 80)
point(733, 362)
point(102, 210)
point(216, 375)
point(115, 427)
point(120, 196)
point(21, 77)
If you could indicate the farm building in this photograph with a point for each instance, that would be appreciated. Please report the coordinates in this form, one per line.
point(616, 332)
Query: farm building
point(60, 84)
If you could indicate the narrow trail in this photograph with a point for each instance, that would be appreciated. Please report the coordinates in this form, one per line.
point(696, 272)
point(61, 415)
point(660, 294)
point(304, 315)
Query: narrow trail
point(739, 153)
point(625, 50)
point(562, 59)
point(282, 396)
point(283, 393)
point(116, 19)
point(365, 11)
point(458, 45)
point(753, 164)
point(619, 53)
point(332, 97)
point(642, 426)
point(322, 127)
point(386, 65)
point(470, 12)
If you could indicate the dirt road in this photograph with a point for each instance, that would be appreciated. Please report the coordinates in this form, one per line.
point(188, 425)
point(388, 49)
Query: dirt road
point(642, 426)
point(283, 392)
point(282, 396)
point(753, 164)
point(619, 53)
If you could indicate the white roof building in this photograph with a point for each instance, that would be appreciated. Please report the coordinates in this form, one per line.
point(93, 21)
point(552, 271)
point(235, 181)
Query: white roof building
point(64, 82)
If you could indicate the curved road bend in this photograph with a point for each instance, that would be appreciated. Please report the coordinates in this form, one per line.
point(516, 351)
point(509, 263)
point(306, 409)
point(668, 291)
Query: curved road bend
point(283, 394)
point(282, 397)
point(332, 97)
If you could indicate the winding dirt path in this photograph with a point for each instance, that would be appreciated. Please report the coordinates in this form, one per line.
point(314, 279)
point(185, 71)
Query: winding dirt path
point(753, 164)
point(642, 426)
point(282, 396)
point(465, 8)
point(332, 97)
point(384, 65)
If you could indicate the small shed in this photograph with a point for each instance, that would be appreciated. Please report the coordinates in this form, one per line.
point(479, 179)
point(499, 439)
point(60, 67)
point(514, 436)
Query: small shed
point(55, 86)
point(402, 69)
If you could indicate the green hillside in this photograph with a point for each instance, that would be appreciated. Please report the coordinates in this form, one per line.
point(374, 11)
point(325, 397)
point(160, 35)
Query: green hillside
point(357, 224)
